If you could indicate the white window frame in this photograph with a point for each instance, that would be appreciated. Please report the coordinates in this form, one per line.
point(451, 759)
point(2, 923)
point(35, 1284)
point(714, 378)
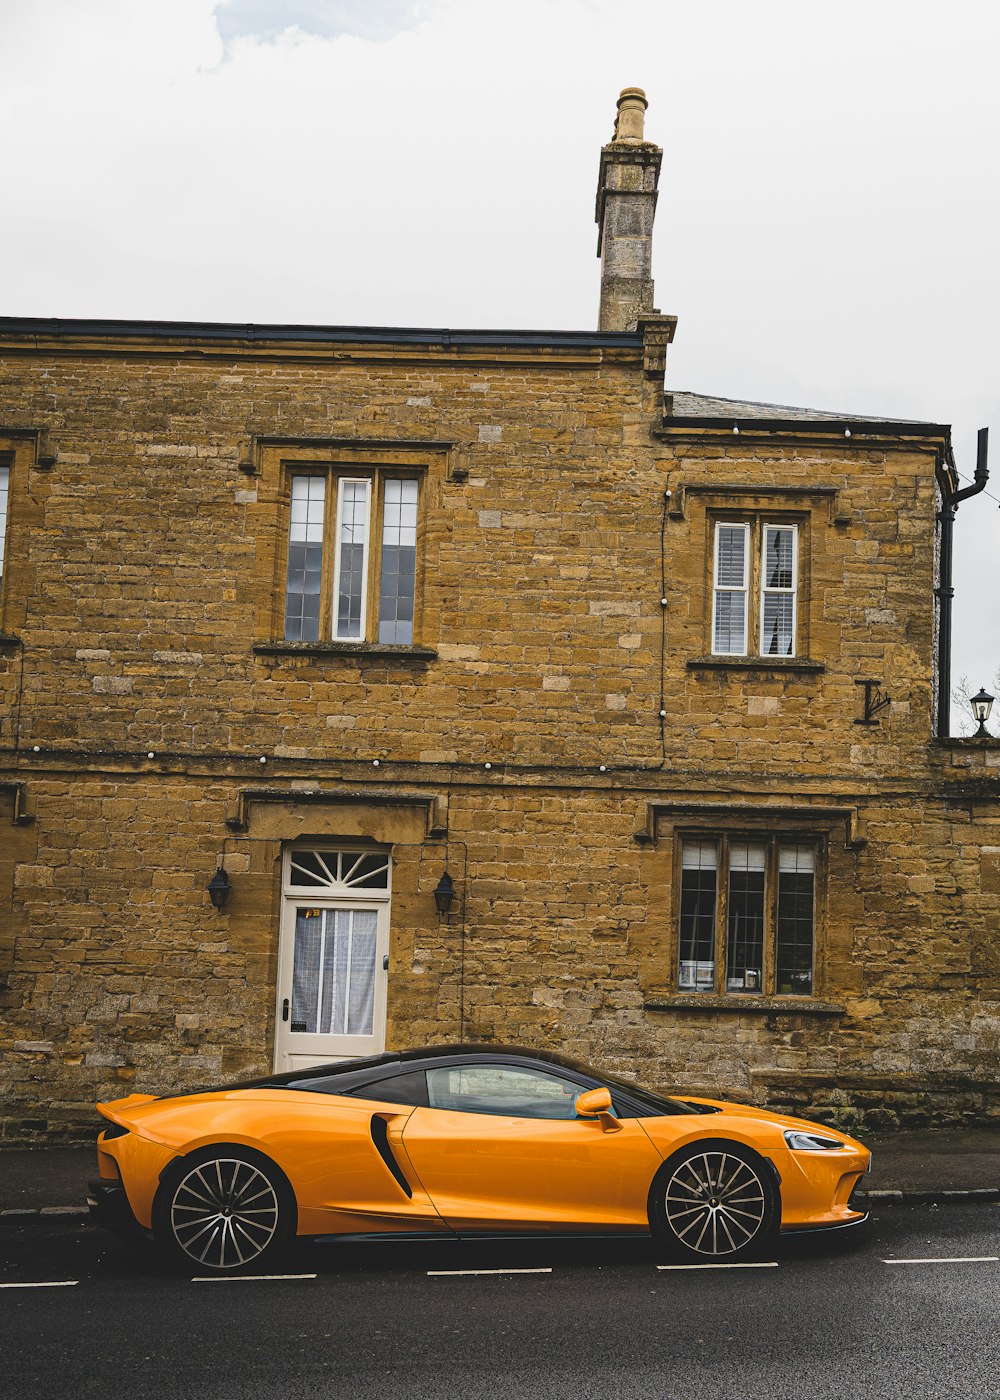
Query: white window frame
point(338, 636)
point(717, 590)
point(755, 529)
point(780, 592)
point(5, 475)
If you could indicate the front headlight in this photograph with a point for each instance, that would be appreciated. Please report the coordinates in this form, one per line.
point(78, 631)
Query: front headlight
point(800, 1141)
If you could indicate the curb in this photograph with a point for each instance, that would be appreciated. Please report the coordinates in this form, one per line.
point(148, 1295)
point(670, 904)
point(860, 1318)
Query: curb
point(30, 1212)
point(984, 1194)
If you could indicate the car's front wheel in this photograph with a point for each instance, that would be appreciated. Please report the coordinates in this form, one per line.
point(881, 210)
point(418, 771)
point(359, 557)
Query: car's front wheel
point(223, 1210)
point(714, 1202)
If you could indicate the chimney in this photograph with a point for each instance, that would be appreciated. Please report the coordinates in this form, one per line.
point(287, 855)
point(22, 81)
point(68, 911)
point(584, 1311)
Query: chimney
point(626, 203)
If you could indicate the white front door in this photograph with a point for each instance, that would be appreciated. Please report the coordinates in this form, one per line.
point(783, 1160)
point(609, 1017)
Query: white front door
point(332, 956)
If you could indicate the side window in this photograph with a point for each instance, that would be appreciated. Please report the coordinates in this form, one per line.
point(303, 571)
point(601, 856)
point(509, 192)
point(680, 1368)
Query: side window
point(398, 1088)
point(352, 557)
point(755, 588)
point(502, 1089)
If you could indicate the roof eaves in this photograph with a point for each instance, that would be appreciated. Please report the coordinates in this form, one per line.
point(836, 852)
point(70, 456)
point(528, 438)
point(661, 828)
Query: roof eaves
point(365, 335)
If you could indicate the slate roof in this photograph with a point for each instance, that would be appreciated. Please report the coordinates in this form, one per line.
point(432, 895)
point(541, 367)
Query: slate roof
point(681, 404)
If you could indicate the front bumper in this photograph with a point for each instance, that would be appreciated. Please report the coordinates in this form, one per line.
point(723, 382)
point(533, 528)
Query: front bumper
point(824, 1229)
point(109, 1208)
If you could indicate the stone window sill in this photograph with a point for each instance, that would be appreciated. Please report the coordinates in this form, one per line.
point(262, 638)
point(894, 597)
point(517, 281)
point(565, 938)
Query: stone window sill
point(363, 651)
point(740, 1003)
point(795, 664)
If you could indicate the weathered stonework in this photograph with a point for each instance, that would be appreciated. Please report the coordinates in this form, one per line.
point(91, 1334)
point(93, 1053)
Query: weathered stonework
point(152, 717)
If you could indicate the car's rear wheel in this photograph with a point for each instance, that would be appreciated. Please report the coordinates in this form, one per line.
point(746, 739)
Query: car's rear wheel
point(223, 1210)
point(714, 1202)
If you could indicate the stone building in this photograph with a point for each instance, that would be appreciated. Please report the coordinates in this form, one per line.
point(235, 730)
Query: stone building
point(340, 611)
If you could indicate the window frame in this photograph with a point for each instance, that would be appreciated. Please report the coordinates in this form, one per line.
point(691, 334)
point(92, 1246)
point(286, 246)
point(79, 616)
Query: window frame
point(6, 466)
point(17, 455)
point(336, 474)
point(756, 524)
point(774, 840)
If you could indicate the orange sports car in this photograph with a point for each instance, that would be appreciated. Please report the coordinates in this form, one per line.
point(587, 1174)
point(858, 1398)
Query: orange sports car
point(460, 1141)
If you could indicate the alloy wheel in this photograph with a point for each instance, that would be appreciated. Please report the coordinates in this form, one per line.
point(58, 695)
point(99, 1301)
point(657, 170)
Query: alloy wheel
point(715, 1203)
point(224, 1213)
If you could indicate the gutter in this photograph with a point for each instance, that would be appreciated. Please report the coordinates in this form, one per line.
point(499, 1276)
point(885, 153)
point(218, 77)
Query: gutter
point(251, 333)
point(945, 592)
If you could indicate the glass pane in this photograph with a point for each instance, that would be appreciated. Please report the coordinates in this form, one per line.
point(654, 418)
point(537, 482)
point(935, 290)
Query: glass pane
point(305, 559)
point(796, 881)
point(352, 536)
point(697, 932)
point(779, 557)
point(333, 971)
point(306, 971)
point(730, 632)
point(797, 859)
point(361, 971)
point(399, 562)
point(513, 1093)
point(312, 868)
point(369, 872)
point(731, 544)
point(778, 625)
point(745, 933)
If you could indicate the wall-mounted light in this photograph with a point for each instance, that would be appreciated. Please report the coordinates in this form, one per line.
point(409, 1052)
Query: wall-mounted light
point(444, 893)
point(218, 889)
point(982, 704)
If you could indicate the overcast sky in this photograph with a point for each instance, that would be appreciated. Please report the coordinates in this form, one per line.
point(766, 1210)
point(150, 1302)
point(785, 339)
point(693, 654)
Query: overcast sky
point(828, 229)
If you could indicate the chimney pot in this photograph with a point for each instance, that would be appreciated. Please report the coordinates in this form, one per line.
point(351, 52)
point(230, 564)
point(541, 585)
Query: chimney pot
point(631, 119)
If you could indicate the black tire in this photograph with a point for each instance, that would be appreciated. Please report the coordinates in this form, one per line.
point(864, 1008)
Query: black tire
point(224, 1210)
point(714, 1202)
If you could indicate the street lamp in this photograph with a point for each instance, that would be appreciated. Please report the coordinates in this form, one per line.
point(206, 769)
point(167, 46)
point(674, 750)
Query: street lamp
point(981, 706)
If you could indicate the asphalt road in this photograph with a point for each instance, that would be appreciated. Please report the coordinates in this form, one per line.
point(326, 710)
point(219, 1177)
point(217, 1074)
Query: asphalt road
point(826, 1322)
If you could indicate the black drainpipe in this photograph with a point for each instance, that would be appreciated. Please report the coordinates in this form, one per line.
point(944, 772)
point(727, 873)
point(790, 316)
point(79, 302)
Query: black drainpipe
point(945, 592)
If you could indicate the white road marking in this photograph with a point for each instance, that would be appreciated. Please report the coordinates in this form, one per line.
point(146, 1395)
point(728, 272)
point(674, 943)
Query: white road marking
point(60, 1283)
point(955, 1259)
point(464, 1273)
point(769, 1264)
point(247, 1278)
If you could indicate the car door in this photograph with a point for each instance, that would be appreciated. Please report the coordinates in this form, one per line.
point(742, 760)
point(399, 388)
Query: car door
point(501, 1147)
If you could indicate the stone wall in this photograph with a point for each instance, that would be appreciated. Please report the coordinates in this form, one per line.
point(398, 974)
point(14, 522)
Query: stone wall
point(146, 695)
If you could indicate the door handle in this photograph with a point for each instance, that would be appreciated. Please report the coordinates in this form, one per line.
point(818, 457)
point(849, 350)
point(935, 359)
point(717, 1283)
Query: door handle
point(284, 1009)
point(385, 962)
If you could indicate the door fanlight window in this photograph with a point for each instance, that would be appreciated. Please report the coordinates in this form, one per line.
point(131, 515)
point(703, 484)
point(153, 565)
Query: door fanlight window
point(333, 872)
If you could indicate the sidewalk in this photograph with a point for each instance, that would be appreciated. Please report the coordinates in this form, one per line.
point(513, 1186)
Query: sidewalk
point(907, 1166)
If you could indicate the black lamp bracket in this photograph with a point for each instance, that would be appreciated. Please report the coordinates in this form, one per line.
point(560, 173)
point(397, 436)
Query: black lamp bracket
point(876, 699)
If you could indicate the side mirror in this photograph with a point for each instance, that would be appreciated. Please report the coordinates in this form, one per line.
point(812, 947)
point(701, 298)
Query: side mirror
point(596, 1103)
